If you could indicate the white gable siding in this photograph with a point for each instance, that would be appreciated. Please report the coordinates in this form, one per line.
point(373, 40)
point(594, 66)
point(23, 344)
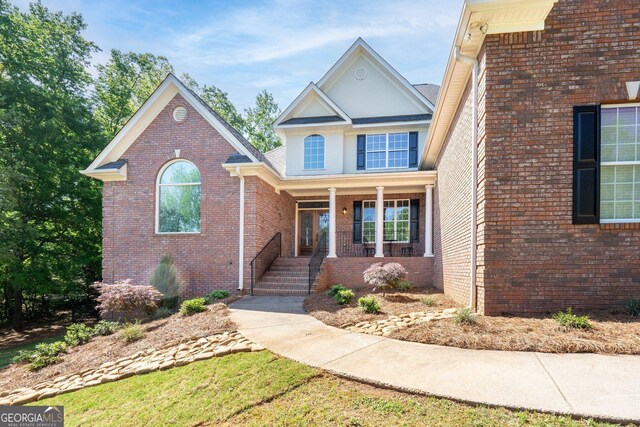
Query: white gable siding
point(313, 107)
point(374, 96)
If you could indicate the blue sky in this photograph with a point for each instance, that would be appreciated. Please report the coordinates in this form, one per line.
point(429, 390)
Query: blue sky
point(246, 46)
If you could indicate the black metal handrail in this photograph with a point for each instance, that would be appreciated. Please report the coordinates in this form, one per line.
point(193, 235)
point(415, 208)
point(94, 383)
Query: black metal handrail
point(345, 247)
point(316, 259)
point(263, 260)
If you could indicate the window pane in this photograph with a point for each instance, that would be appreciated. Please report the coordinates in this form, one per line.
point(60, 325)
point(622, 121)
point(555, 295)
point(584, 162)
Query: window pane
point(376, 160)
point(389, 231)
point(377, 142)
point(180, 172)
point(626, 116)
point(402, 231)
point(609, 116)
point(314, 152)
point(179, 209)
point(399, 141)
point(399, 159)
point(369, 232)
point(369, 211)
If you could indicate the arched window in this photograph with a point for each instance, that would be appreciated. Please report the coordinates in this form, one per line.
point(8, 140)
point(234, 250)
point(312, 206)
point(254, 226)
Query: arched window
point(178, 196)
point(314, 152)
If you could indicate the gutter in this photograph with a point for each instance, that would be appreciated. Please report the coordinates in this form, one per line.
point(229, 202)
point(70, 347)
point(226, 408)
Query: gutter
point(473, 303)
point(241, 233)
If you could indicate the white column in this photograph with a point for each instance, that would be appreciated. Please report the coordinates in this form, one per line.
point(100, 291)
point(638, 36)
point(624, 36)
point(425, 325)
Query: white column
point(379, 222)
point(241, 237)
point(428, 221)
point(332, 223)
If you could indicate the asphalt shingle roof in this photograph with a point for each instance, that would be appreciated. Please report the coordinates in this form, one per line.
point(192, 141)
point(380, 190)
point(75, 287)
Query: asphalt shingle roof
point(312, 120)
point(390, 119)
point(430, 91)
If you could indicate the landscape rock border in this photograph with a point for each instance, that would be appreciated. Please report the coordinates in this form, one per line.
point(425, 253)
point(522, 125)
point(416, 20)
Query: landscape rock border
point(139, 363)
point(386, 327)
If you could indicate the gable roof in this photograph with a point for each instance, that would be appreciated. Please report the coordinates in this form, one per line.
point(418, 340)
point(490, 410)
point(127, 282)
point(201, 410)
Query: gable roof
point(313, 120)
point(149, 110)
point(361, 47)
point(429, 90)
point(310, 90)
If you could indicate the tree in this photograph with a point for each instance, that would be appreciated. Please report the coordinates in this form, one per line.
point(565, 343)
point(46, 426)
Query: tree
point(49, 214)
point(218, 100)
point(124, 84)
point(259, 122)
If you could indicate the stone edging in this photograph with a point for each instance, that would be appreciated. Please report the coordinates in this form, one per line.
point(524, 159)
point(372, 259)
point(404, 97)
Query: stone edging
point(137, 364)
point(386, 327)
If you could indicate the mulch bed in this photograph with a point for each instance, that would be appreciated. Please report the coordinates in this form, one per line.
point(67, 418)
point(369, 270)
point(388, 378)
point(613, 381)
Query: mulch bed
point(610, 334)
point(158, 333)
point(327, 310)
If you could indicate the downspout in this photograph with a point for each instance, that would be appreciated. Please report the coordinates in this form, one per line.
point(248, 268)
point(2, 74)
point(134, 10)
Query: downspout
point(241, 236)
point(473, 303)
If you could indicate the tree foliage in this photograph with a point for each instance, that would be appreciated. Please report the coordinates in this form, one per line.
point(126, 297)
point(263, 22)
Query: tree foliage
point(259, 122)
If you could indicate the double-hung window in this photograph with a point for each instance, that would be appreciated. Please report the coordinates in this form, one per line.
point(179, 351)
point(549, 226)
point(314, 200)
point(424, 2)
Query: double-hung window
point(396, 219)
point(620, 163)
point(387, 150)
point(314, 152)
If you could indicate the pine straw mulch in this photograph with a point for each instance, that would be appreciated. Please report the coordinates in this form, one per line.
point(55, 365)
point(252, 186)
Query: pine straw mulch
point(327, 310)
point(158, 333)
point(611, 333)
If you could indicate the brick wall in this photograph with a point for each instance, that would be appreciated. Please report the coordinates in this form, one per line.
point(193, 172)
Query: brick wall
point(536, 259)
point(205, 261)
point(452, 201)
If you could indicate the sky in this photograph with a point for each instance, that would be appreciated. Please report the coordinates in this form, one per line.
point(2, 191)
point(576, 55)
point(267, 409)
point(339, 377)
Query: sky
point(243, 47)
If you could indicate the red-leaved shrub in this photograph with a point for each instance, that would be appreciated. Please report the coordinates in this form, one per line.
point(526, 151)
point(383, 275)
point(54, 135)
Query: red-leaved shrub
point(124, 298)
point(385, 276)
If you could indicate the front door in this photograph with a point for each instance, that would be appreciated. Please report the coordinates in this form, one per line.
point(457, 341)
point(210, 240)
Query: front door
point(312, 223)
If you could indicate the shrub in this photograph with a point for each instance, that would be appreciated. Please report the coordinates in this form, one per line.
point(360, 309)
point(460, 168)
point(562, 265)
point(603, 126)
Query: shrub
point(43, 355)
point(125, 297)
point(369, 305)
point(404, 286)
point(429, 301)
point(570, 320)
point(131, 332)
point(77, 333)
point(163, 312)
point(632, 307)
point(103, 328)
point(192, 306)
point(385, 276)
point(333, 291)
point(344, 296)
point(465, 316)
point(164, 278)
point(216, 295)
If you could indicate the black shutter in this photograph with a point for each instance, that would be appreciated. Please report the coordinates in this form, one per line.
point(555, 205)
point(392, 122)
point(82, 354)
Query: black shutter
point(357, 221)
point(586, 164)
point(362, 143)
point(413, 149)
point(414, 227)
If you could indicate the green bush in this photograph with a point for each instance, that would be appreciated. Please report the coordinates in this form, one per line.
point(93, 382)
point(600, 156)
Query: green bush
point(404, 286)
point(216, 295)
point(192, 306)
point(333, 291)
point(163, 312)
point(104, 327)
point(344, 296)
point(429, 301)
point(632, 307)
point(77, 333)
point(570, 320)
point(465, 316)
point(43, 355)
point(369, 305)
point(131, 332)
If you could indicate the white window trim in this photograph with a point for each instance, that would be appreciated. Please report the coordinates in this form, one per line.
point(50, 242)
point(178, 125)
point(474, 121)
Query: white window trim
point(324, 153)
point(619, 163)
point(158, 185)
point(395, 220)
point(386, 151)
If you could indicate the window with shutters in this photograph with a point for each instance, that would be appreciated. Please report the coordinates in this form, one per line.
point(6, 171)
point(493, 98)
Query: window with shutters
point(396, 220)
point(388, 150)
point(620, 163)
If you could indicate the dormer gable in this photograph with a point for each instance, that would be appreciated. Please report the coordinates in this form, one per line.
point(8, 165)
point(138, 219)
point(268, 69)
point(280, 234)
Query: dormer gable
point(312, 106)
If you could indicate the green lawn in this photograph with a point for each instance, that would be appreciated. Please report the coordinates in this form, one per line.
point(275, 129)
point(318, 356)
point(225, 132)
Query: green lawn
point(7, 354)
point(263, 389)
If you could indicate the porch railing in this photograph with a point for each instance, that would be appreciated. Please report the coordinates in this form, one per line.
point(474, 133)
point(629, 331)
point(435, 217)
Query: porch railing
point(267, 255)
point(316, 259)
point(345, 247)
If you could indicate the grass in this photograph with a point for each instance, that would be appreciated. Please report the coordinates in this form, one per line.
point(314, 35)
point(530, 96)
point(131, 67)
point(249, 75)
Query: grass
point(262, 389)
point(9, 353)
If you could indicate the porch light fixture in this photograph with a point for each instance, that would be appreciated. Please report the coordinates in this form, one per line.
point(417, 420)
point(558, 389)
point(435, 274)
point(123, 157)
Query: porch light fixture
point(344, 211)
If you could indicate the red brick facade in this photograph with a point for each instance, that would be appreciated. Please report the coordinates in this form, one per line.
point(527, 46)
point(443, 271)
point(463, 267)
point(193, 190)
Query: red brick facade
point(531, 258)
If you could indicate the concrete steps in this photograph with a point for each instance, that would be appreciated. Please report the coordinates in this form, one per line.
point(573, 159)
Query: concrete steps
point(287, 276)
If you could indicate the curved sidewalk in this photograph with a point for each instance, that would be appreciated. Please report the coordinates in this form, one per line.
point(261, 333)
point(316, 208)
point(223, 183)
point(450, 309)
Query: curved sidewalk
point(589, 385)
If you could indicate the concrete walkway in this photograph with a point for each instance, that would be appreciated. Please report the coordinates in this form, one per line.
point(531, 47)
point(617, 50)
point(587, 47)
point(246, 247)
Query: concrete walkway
point(589, 385)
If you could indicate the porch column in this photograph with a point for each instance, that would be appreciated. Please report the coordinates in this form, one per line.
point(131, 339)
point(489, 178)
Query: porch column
point(428, 221)
point(379, 222)
point(332, 223)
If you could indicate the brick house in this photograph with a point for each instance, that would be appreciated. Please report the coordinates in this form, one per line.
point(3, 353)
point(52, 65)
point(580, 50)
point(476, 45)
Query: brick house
point(515, 192)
